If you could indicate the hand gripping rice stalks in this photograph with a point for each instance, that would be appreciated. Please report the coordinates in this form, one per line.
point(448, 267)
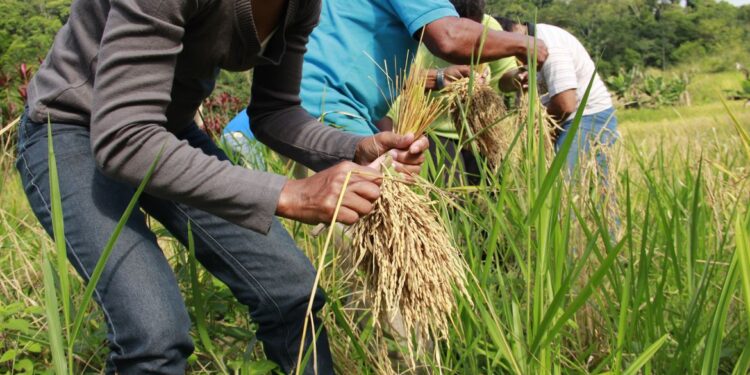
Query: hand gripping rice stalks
point(410, 265)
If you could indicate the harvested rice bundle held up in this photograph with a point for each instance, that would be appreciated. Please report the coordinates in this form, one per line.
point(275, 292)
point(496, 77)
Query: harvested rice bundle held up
point(491, 125)
point(407, 257)
point(485, 115)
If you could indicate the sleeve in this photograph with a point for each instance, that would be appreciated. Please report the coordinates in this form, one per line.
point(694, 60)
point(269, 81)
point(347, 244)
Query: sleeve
point(134, 77)
point(559, 71)
point(277, 117)
point(417, 14)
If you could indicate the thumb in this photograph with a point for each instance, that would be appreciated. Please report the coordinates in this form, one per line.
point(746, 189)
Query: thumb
point(377, 162)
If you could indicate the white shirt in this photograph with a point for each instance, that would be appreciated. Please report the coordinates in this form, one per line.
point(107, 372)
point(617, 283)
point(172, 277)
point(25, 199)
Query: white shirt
point(569, 66)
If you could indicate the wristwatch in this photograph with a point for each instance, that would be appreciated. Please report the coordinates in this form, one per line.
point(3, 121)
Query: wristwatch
point(440, 79)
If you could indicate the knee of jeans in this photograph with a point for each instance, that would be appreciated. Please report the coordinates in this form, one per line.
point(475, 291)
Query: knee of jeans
point(292, 304)
point(156, 334)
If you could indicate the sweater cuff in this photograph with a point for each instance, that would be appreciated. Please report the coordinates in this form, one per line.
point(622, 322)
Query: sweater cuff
point(262, 202)
point(349, 145)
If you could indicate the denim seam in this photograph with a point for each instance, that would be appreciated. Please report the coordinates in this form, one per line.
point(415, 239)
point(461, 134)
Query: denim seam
point(247, 274)
point(72, 251)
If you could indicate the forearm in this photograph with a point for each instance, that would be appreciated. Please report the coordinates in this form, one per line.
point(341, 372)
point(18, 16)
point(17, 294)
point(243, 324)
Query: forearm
point(293, 133)
point(458, 39)
point(186, 174)
point(562, 105)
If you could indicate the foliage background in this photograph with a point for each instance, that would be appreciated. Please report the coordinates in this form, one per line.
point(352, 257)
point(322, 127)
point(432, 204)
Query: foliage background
point(653, 33)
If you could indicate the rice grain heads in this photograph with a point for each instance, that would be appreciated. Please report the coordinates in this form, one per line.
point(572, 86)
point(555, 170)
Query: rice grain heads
point(479, 114)
point(408, 261)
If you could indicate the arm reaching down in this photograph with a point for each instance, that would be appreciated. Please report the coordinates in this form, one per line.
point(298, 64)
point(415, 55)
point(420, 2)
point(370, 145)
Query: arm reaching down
point(456, 40)
point(278, 119)
point(562, 105)
point(135, 72)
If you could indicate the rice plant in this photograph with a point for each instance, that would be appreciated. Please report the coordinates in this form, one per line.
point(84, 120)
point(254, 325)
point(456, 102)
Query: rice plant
point(561, 280)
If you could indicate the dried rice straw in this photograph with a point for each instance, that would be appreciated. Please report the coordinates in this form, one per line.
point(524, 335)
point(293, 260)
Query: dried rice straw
point(409, 262)
point(484, 112)
point(479, 114)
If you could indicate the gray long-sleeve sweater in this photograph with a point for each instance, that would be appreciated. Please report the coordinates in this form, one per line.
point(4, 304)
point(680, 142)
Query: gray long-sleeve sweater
point(135, 72)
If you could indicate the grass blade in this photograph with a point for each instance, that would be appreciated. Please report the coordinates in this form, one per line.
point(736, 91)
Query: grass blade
point(742, 237)
point(58, 228)
point(546, 335)
point(199, 303)
point(53, 318)
point(645, 356)
point(744, 136)
point(562, 154)
point(743, 364)
point(712, 352)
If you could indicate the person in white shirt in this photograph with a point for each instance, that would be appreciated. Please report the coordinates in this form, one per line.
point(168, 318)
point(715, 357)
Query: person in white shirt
point(565, 77)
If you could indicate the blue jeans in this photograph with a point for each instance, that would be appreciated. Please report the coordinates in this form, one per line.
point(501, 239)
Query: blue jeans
point(597, 130)
point(149, 327)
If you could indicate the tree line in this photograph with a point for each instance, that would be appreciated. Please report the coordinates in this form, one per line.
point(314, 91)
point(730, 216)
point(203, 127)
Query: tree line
point(649, 33)
point(619, 34)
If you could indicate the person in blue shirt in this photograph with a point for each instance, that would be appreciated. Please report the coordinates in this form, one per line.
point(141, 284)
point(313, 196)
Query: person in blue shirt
point(359, 46)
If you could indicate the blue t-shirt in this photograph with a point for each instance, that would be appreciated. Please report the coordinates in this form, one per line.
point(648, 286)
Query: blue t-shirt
point(241, 124)
point(344, 79)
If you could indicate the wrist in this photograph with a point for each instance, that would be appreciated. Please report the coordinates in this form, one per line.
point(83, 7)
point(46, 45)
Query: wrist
point(286, 199)
point(440, 79)
point(431, 83)
point(524, 46)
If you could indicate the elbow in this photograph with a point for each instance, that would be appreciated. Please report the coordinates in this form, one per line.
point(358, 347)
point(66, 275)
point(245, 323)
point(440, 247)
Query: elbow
point(444, 39)
point(105, 162)
point(109, 157)
point(567, 101)
point(259, 130)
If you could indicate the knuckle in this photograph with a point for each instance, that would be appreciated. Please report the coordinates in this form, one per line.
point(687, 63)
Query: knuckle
point(329, 205)
point(349, 219)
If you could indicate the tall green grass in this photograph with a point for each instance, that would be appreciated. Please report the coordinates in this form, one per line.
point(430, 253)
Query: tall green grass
point(555, 286)
point(565, 280)
point(68, 333)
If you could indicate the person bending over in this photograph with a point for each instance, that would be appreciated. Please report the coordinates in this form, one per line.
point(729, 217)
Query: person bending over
point(501, 74)
point(565, 77)
point(119, 87)
point(361, 45)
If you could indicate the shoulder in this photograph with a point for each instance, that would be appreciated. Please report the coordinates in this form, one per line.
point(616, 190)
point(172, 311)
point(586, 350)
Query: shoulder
point(307, 8)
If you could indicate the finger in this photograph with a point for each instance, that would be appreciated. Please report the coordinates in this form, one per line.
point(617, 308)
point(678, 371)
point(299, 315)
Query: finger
point(367, 190)
point(375, 165)
point(367, 174)
point(357, 204)
point(347, 216)
point(389, 140)
point(407, 169)
point(420, 145)
point(404, 157)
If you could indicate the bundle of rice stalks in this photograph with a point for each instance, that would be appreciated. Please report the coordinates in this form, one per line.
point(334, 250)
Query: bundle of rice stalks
point(402, 248)
point(478, 112)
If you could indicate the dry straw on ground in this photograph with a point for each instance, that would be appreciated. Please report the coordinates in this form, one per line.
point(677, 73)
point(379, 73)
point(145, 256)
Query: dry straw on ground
point(402, 248)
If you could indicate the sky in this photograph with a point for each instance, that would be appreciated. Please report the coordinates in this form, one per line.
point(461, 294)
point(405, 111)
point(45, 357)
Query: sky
point(739, 2)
